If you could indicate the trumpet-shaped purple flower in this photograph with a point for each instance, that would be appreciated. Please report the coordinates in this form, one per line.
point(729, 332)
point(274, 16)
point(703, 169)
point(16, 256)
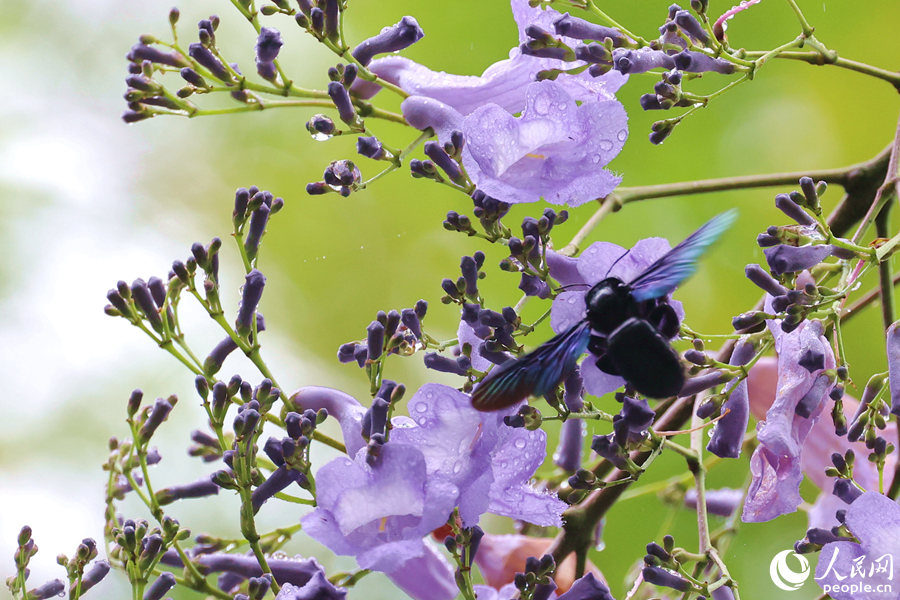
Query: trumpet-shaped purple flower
point(445, 455)
point(426, 577)
point(503, 83)
point(599, 261)
point(874, 520)
point(379, 514)
point(775, 464)
point(556, 149)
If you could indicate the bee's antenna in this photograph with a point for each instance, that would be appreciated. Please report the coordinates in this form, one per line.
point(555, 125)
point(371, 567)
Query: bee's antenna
point(571, 285)
point(616, 262)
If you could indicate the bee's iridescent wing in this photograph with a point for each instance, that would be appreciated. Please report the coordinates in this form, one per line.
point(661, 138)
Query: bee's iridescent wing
point(535, 374)
point(679, 263)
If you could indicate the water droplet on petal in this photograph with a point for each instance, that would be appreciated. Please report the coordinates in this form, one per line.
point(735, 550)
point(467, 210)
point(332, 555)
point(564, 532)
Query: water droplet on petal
point(623, 135)
point(541, 105)
point(520, 443)
point(321, 137)
point(421, 407)
point(457, 467)
point(596, 159)
point(606, 145)
point(422, 422)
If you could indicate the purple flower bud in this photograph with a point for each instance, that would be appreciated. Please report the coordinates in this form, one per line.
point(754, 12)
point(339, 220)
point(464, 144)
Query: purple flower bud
point(258, 221)
point(411, 320)
point(268, 44)
point(141, 52)
point(439, 156)
point(198, 489)
point(697, 62)
point(587, 588)
point(377, 416)
point(470, 273)
point(790, 259)
point(442, 364)
point(158, 414)
point(48, 590)
point(808, 187)
point(571, 441)
point(697, 384)
point(391, 39)
point(691, 26)
point(580, 29)
point(606, 447)
point(421, 309)
point(722, 502)
point(157, 290)
point(202, 55)
point(846, 491)
point(346, 352)
point(341, 98)
point(640, 61)
point(94, 575)
point(813, 359)
point(375, 340)
point(665, 578)
point(532, 286)
point(162, 584)
point(784, 203)
point(251, 294)
point(266, 70)
point(370, 147)
point(144, 300)
point(276, 482)
point(728, 435)
point(893, 356)
point(763, 280)
point(193, 78)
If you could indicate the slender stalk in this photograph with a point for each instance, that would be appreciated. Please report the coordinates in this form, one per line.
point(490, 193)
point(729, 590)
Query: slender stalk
point(817, 58)
point(885, 276)
point(804, 24)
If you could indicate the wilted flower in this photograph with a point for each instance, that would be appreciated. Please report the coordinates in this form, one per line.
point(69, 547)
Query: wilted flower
point(775, 463)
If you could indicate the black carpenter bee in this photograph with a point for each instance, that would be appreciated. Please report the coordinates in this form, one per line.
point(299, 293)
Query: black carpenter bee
point(627, 327)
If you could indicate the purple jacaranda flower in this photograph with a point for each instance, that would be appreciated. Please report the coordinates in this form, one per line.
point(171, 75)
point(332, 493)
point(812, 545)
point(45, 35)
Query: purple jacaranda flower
point(775, 464)
point(379, 514)
point(554, 150)
point(503, 83)
point(344, 408)
point(851, 571)
point(722, 502)
point(599, 261)
point(490, 462)
point(317, 588)
point(819, 445)
point(446, 455)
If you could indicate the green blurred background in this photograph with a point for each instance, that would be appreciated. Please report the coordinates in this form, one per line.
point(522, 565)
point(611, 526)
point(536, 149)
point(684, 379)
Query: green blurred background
point(87, 200)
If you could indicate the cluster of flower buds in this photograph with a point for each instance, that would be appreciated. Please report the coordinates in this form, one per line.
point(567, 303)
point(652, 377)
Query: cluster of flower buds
point(143, 301)
point(140, 548)
point(528, 255)
point(794, 248)
point(606, 447)
point(844, 486)
point(463, 547)
point(205, 445)
point(465, 288)
point(341, 176)
point(147, 420)
point(321, 18)
point(527, 416)
point(666, 94)
point(252, 209)
point(342, 77)
point(290, 455)
point(488, 211)
point(444, 163)
point(257, 587)
point(817, 537)
point(871, 417)
point(661, 566)
point(631, 424)
point(537, 580)
point(391, 332)
point(495, 328)
point(376, 422)
point(123, 461)
point(75, 570)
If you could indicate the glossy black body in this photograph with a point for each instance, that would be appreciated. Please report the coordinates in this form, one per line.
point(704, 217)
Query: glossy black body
point(630, 338)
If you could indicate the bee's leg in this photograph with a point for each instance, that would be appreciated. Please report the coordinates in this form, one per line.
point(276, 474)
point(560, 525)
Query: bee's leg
point(665, 320)
point(597, 346)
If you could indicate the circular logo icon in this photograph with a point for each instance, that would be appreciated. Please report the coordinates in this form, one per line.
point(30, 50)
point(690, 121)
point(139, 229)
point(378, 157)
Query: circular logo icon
point(783, 576)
